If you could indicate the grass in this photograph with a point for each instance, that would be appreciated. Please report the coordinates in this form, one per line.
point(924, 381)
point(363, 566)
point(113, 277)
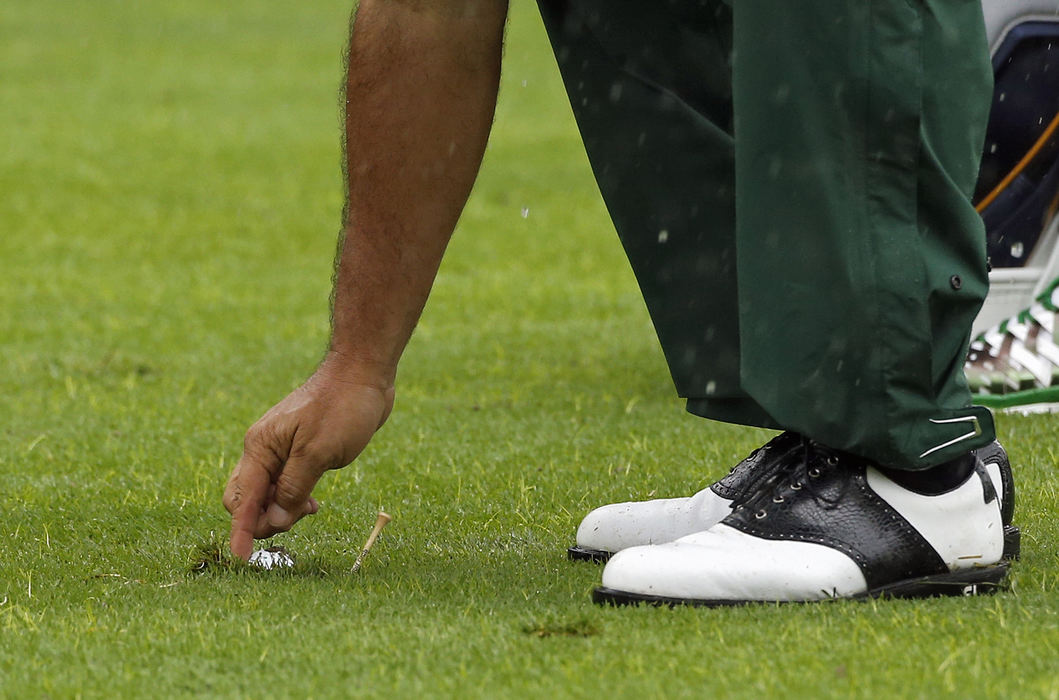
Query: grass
point(169, 195)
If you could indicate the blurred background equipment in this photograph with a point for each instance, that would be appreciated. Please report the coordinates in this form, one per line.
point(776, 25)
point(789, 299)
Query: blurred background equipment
point(1018, 187)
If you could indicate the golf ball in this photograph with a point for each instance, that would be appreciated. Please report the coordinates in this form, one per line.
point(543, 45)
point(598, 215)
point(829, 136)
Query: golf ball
point(272, 558)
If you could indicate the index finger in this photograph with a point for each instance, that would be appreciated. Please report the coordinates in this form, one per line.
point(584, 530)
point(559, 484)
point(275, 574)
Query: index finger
point(250, 491)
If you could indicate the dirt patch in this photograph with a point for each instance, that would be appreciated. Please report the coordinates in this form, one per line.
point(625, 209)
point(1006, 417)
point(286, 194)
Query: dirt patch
point(576, 628)
point(210, 556)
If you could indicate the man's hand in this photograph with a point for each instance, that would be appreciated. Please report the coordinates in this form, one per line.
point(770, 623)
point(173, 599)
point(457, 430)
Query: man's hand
point(323, 424)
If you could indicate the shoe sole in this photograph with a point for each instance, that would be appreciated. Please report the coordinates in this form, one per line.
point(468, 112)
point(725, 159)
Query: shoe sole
point(1012, 549)
point(596, 556)
point(972, 582)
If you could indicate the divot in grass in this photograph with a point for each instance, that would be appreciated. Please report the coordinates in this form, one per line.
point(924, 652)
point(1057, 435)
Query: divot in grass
point(581, 627)
point(210, 556)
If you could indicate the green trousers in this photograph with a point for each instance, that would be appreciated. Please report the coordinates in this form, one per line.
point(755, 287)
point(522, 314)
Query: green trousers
point(791, 181)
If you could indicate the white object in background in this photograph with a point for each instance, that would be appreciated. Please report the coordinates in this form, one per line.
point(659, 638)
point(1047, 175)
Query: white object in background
point(1013, 289)
point(1002, 15)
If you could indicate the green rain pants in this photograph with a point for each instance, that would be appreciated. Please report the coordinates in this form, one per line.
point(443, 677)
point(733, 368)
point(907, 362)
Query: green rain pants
point(791, 181)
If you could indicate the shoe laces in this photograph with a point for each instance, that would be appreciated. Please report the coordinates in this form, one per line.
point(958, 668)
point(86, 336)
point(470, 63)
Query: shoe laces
point(757, 473)
point(799, 473)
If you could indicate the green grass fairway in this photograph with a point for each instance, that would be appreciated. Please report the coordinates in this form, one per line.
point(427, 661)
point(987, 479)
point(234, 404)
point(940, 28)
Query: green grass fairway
point(169, 201)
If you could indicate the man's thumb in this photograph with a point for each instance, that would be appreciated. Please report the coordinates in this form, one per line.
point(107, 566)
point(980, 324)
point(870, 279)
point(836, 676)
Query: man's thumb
point(293, 487)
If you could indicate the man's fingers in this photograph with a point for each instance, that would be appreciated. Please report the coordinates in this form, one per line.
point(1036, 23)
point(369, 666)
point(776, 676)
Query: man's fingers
point(266, 528)
point(293, 488)
point(245, 499)
point(285, 454)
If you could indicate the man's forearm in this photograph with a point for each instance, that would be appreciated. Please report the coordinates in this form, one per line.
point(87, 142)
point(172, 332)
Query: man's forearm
point(420, 95)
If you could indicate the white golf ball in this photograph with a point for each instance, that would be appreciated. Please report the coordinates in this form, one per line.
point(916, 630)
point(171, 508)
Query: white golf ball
point(272, 558)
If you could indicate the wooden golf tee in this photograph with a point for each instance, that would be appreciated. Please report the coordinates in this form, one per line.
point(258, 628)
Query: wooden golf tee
point(380, 523)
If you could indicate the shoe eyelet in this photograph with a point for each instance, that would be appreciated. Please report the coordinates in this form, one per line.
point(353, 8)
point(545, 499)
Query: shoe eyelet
point(760, 514)
point(814, 472)
point(796, 486)
point(777, 499)
point(832, 460)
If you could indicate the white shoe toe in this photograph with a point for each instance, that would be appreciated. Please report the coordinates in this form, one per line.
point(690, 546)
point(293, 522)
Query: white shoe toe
point(724, 564)
point(617, 526)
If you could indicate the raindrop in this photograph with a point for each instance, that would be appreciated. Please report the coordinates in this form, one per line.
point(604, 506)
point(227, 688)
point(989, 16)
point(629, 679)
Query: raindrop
point(525, 212)
point(992, 148)
point(663, 236)
point(1017, 249)
point(711, 388)
point(1002, 96)
point(524, 83)
point(615, 92)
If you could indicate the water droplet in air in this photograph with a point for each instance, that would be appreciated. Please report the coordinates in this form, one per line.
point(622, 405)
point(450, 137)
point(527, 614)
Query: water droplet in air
point(525, 212)
point(663, 236)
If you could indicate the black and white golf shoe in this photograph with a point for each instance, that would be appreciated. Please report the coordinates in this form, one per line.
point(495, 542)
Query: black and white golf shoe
point(617, 526)
point(828, 525)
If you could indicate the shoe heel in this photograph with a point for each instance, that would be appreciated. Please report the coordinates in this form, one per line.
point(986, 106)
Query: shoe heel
point(1012, 543)
point(599, 556)
point(970, 582)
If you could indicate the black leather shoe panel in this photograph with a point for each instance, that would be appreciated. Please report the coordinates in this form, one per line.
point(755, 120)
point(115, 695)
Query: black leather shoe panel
point(827, 500)
point(757, 467)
